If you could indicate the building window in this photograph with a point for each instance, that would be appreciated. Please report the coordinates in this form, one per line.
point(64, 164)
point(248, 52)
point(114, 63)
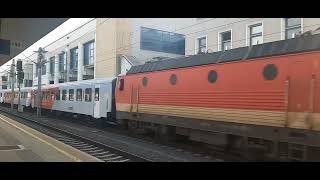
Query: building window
point(88, 53)
point(61, 62)
point(36, 68)
point(225, 40)
point(79, 95)
point(162, 41)
point(255, 34)
point(88, 94)
point(27, 83)
point(71, 94)
point(52, 64)
point(292, 27)
point(64, 95)
point(74, 58)
point(202, 44)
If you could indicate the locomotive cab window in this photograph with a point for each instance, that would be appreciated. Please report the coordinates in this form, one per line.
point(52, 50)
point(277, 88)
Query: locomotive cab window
point(145, 81)
point(79, 94)
point(121, 85)
point(88, 94)
point(96, 94)
point(71, 94)
point(64, 95)
point(173, 79)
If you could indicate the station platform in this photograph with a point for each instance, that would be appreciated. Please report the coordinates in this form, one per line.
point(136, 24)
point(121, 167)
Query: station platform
point(19, 143)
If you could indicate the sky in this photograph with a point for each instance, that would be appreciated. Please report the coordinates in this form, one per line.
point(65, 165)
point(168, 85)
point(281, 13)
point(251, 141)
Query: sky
point(57, 33)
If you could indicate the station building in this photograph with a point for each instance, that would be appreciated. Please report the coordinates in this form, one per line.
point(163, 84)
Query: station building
point(107, 47)
point(137, 40)
point(218, 34)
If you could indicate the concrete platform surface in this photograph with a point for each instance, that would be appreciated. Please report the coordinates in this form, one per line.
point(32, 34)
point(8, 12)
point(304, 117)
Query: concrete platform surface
point(19, 143)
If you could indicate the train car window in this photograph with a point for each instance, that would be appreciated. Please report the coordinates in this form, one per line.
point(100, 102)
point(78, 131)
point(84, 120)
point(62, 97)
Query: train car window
point(64, 95)
point(173, 79)
point(58, 95)
point(79, 95)
point(52, 95)
point(121, 86)
point(88, 95)
point(270, 72)
point(145, 81)
point(0, 94)
point(212, 76)
point(71, 94)
point(96, 94)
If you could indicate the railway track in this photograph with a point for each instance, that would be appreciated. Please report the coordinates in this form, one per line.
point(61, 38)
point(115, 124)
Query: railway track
point(99, 150)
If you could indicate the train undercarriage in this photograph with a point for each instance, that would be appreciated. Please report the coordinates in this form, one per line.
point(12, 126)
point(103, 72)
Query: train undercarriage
point(252, 142)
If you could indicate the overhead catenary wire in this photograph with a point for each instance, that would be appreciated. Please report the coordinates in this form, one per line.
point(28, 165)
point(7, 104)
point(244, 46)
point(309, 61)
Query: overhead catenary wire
point(192, 49)
point(125, 47)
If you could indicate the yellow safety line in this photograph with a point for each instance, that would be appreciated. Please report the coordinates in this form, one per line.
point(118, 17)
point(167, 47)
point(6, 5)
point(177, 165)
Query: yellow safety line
point(38, 138)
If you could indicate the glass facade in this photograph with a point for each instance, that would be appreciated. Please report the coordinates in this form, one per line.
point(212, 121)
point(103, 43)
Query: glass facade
point(52, 65)
point(74, 58)
point(292, 27)
point(88, 53)
point(61, 62)
point(225, 40)
point(255, 34)
point(202, 45)
point(162, 41)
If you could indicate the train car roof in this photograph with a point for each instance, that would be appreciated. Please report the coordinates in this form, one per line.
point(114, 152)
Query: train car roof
point(84, 82)
point(17, 89)
point(289, 46)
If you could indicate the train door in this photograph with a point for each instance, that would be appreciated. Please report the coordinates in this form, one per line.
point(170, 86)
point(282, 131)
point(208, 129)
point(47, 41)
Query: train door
point(301, 94)
point(96, 101)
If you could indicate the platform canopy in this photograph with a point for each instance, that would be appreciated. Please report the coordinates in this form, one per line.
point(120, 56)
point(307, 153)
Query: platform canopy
point(17, 34)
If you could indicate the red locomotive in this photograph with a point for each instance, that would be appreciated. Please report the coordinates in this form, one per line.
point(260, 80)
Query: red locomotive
point(265, 97)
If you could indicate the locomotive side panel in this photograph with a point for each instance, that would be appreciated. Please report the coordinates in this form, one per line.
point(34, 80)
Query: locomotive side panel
point(240, 93)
